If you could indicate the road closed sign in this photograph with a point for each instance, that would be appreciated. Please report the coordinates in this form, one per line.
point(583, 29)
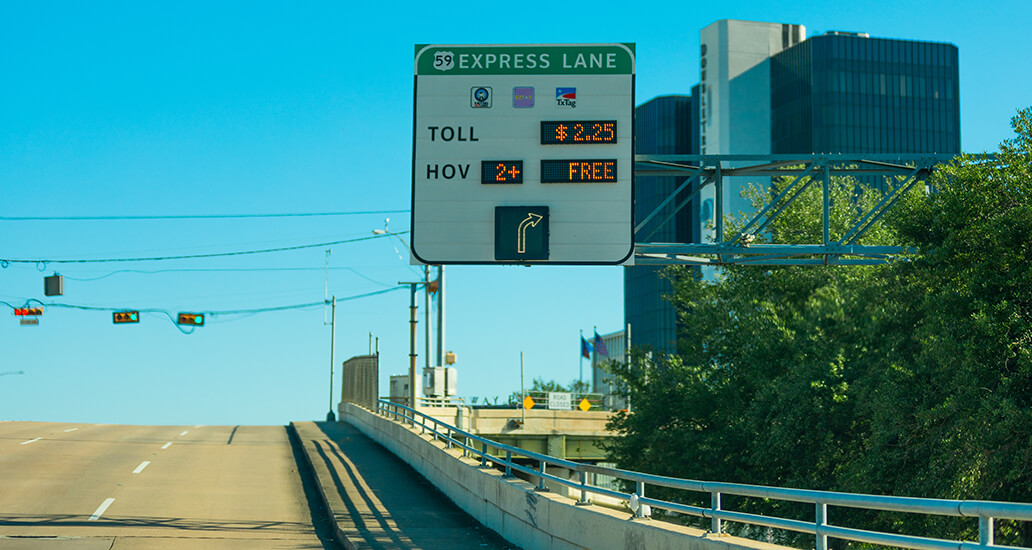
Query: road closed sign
point(523, 154)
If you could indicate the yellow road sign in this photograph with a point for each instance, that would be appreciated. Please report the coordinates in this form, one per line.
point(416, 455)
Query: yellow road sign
point(528, 403)
point(584, 405)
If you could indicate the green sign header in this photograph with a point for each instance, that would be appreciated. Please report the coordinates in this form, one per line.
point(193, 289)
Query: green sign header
point(595, 59)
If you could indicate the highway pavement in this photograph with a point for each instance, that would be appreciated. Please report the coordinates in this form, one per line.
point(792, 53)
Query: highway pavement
point(86, 486)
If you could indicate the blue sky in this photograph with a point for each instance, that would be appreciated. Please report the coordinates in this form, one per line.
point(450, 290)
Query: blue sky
point(118, 109)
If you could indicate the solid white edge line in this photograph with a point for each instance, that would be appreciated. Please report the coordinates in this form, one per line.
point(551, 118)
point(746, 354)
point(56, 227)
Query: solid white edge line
point(141, 466)
point(184, 432)
point(30, 441)
point(166, 445)
point(101, 509)
point(71, 430)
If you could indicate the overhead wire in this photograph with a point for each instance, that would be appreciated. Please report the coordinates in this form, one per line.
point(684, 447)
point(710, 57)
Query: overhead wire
point(4, 262)
point(196, 216)
point(222, 269)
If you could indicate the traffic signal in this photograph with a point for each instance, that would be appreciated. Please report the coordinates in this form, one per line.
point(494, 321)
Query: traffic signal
point(192, 319)
point(28, 311)
point(125, 317)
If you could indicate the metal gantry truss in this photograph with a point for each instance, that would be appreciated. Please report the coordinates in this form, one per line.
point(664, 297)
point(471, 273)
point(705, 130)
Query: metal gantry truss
point(702, 171)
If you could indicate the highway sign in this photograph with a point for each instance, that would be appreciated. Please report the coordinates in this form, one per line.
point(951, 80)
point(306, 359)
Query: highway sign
point(560, 401)
point(500, 127)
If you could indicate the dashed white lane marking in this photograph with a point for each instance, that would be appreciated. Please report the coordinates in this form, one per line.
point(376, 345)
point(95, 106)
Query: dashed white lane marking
point(199, 426)
point(184, 433)
point(141, 466)
point(71, 429)
point(166, 445)
point(30, 441)
point(101, 509)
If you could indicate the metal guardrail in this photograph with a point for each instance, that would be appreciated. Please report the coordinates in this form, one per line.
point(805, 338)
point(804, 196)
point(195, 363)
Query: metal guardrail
point(986, 511)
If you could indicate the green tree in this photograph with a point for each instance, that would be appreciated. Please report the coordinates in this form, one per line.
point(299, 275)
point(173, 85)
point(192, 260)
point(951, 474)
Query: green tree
point(913, 378)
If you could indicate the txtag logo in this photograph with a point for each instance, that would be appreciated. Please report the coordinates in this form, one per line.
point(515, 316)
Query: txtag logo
point(566, 98)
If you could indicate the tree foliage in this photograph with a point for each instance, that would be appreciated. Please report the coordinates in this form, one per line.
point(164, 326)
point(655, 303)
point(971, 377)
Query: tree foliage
point(912, 378)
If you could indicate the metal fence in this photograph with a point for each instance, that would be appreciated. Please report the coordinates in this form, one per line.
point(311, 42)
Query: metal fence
point(822, 528)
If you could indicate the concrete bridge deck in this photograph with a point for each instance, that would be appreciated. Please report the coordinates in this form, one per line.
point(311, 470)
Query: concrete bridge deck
point(378, 501)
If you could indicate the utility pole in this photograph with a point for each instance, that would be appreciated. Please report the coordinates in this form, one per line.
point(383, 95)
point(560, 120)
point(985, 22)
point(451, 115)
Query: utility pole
point(440, 315)
point(330, 416)
point(523, 392)
point(413, 319)
point(426, 305)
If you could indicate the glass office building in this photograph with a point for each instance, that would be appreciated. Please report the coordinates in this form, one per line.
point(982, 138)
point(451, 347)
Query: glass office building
point(831, 93)
point(848, 93)
point(666, 125)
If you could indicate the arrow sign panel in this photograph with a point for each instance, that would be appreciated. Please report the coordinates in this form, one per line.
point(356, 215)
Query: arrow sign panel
point(521, 233)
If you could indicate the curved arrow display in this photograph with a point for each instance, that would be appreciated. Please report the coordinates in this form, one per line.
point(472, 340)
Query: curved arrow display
point(521, 233)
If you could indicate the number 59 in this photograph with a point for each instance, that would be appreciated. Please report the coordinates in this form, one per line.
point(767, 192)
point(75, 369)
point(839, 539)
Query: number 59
point(444, 61)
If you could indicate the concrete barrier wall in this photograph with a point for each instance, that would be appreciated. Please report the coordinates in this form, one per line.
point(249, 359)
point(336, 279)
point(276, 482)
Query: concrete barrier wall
point(532, 520)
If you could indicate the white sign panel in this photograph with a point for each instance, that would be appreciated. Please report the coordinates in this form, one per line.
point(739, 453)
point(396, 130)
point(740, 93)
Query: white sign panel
point(559, 401)
point(523, 154)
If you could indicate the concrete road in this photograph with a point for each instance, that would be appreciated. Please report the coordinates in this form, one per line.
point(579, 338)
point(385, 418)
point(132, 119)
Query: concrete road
point(85, 486)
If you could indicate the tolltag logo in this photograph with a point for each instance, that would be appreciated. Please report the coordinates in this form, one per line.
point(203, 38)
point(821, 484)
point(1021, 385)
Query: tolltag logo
point(444, 61)
point(480, 97)
point(566, 98)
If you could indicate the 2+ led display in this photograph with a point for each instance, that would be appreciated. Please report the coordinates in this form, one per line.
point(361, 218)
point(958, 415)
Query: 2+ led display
point(578, 171)
point(566, 132)
point(501, 171)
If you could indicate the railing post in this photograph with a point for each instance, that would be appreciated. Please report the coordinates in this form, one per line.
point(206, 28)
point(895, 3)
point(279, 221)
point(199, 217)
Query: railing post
point(583, 488)
point(986, 535)
point(640, 512)
point(508, 463)
point(448, 438)
point(483, 455)
point(422, 425)
point(715, 526)
point(541, 477)
point(821, 520)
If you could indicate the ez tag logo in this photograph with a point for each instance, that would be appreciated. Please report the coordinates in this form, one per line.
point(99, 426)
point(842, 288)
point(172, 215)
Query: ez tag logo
point(444, 61)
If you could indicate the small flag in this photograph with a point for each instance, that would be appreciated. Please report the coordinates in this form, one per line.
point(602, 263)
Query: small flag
point(600, 346)
point(585, 348)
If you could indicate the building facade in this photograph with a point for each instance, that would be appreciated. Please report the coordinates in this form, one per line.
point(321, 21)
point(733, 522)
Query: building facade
point(847, 92)
point(666, 125)
point(765, 88)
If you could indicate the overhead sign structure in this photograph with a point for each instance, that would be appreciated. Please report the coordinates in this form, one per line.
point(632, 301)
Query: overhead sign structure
point(523, 154)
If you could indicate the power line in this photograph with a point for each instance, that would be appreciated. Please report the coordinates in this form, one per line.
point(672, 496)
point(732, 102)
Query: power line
point(196, 216)
point(222, 269)
point(4, 262)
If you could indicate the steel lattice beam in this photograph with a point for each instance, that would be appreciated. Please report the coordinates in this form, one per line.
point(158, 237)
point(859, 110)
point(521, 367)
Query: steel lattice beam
point(700, 171)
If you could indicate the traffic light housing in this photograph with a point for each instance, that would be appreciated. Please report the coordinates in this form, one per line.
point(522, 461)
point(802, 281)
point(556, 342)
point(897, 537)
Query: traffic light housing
point(28, 311)
point(191, 319)
point(119, 317)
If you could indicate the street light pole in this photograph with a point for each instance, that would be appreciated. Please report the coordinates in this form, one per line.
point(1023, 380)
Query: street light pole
point(330, 417)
